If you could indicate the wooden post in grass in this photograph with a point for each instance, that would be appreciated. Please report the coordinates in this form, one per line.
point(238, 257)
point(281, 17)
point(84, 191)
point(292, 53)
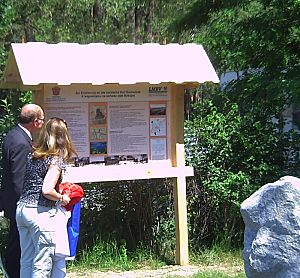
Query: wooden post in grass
point(179, 183)
point(182, 255)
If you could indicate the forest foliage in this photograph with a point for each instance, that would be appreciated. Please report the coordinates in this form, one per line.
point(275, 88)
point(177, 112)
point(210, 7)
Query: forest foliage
point(235, 134)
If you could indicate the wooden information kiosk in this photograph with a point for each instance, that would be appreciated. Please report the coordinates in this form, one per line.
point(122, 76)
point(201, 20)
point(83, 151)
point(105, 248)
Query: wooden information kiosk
point(124, 105)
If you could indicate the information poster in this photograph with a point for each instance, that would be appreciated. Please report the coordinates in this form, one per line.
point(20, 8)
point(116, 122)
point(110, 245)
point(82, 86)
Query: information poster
point(114, 124)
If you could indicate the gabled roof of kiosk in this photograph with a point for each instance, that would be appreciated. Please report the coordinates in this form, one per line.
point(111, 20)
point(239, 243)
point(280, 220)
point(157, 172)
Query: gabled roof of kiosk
point(34, 63)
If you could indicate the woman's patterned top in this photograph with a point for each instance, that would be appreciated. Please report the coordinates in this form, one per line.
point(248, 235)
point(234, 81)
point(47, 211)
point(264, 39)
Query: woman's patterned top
point(35, 173)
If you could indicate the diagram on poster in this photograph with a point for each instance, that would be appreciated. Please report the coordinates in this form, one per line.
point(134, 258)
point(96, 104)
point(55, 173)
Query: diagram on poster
point(158, 127)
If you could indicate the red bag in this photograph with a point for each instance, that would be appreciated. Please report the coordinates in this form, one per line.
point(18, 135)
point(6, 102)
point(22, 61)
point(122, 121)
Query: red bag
point(73, 190)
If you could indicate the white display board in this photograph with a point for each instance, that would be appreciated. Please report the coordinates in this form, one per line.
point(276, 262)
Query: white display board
point(114, 123)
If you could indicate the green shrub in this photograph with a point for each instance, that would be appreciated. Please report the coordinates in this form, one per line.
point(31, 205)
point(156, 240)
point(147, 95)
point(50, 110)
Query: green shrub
point(236, 143)
point(4, 226)
point(137, 212)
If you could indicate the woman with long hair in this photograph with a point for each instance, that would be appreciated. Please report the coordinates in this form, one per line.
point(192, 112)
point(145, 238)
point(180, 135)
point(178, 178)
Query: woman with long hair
point(40, 204)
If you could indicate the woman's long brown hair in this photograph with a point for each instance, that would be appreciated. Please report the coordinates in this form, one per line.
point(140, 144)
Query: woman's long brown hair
point(54, 140)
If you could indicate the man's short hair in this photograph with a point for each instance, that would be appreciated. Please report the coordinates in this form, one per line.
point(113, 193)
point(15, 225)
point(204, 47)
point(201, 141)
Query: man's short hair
point(28, 113)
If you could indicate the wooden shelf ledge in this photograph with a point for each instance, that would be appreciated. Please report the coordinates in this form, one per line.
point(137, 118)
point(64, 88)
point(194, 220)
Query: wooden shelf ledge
point(101, 173)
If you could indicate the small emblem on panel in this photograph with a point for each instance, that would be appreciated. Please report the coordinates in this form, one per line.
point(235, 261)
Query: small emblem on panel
point(56, 91)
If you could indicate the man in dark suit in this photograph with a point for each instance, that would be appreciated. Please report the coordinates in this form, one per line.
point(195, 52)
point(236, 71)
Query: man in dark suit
point(16, 146)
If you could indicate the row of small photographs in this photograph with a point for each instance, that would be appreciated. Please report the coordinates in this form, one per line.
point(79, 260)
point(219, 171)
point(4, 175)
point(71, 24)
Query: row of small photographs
point(119, 159)
point(113, 160)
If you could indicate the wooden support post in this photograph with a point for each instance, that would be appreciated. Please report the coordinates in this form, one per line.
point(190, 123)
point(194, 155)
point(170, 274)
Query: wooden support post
point(182, 255)
point(178, 161)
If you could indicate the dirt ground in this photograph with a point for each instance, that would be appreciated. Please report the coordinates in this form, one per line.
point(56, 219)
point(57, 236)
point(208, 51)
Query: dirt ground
point(179, 271)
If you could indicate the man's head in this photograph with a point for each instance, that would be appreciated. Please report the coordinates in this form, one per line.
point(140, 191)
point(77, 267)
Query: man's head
point(31, 117)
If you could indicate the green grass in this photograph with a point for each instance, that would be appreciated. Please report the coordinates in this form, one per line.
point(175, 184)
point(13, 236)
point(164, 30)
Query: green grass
point(217, 262)
point(217, 256)
point(217, 274)
point(108, 255)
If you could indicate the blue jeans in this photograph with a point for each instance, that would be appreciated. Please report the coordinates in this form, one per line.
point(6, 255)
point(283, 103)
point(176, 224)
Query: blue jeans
point(37, 226)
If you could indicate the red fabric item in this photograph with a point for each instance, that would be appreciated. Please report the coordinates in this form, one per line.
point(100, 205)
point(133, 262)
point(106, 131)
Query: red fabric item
point(73, 190)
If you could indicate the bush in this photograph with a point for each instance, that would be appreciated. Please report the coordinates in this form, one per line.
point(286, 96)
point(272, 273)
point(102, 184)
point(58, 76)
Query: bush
point(134, 212)
point(235, 146)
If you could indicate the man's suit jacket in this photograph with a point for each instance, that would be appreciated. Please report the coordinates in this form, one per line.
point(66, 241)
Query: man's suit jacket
point(15, 149)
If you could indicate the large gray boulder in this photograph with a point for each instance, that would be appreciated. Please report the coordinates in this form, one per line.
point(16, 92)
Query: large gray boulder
point(272, 230)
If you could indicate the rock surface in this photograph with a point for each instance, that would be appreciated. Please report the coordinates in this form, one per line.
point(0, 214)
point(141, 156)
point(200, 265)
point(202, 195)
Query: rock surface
point(272, 230)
